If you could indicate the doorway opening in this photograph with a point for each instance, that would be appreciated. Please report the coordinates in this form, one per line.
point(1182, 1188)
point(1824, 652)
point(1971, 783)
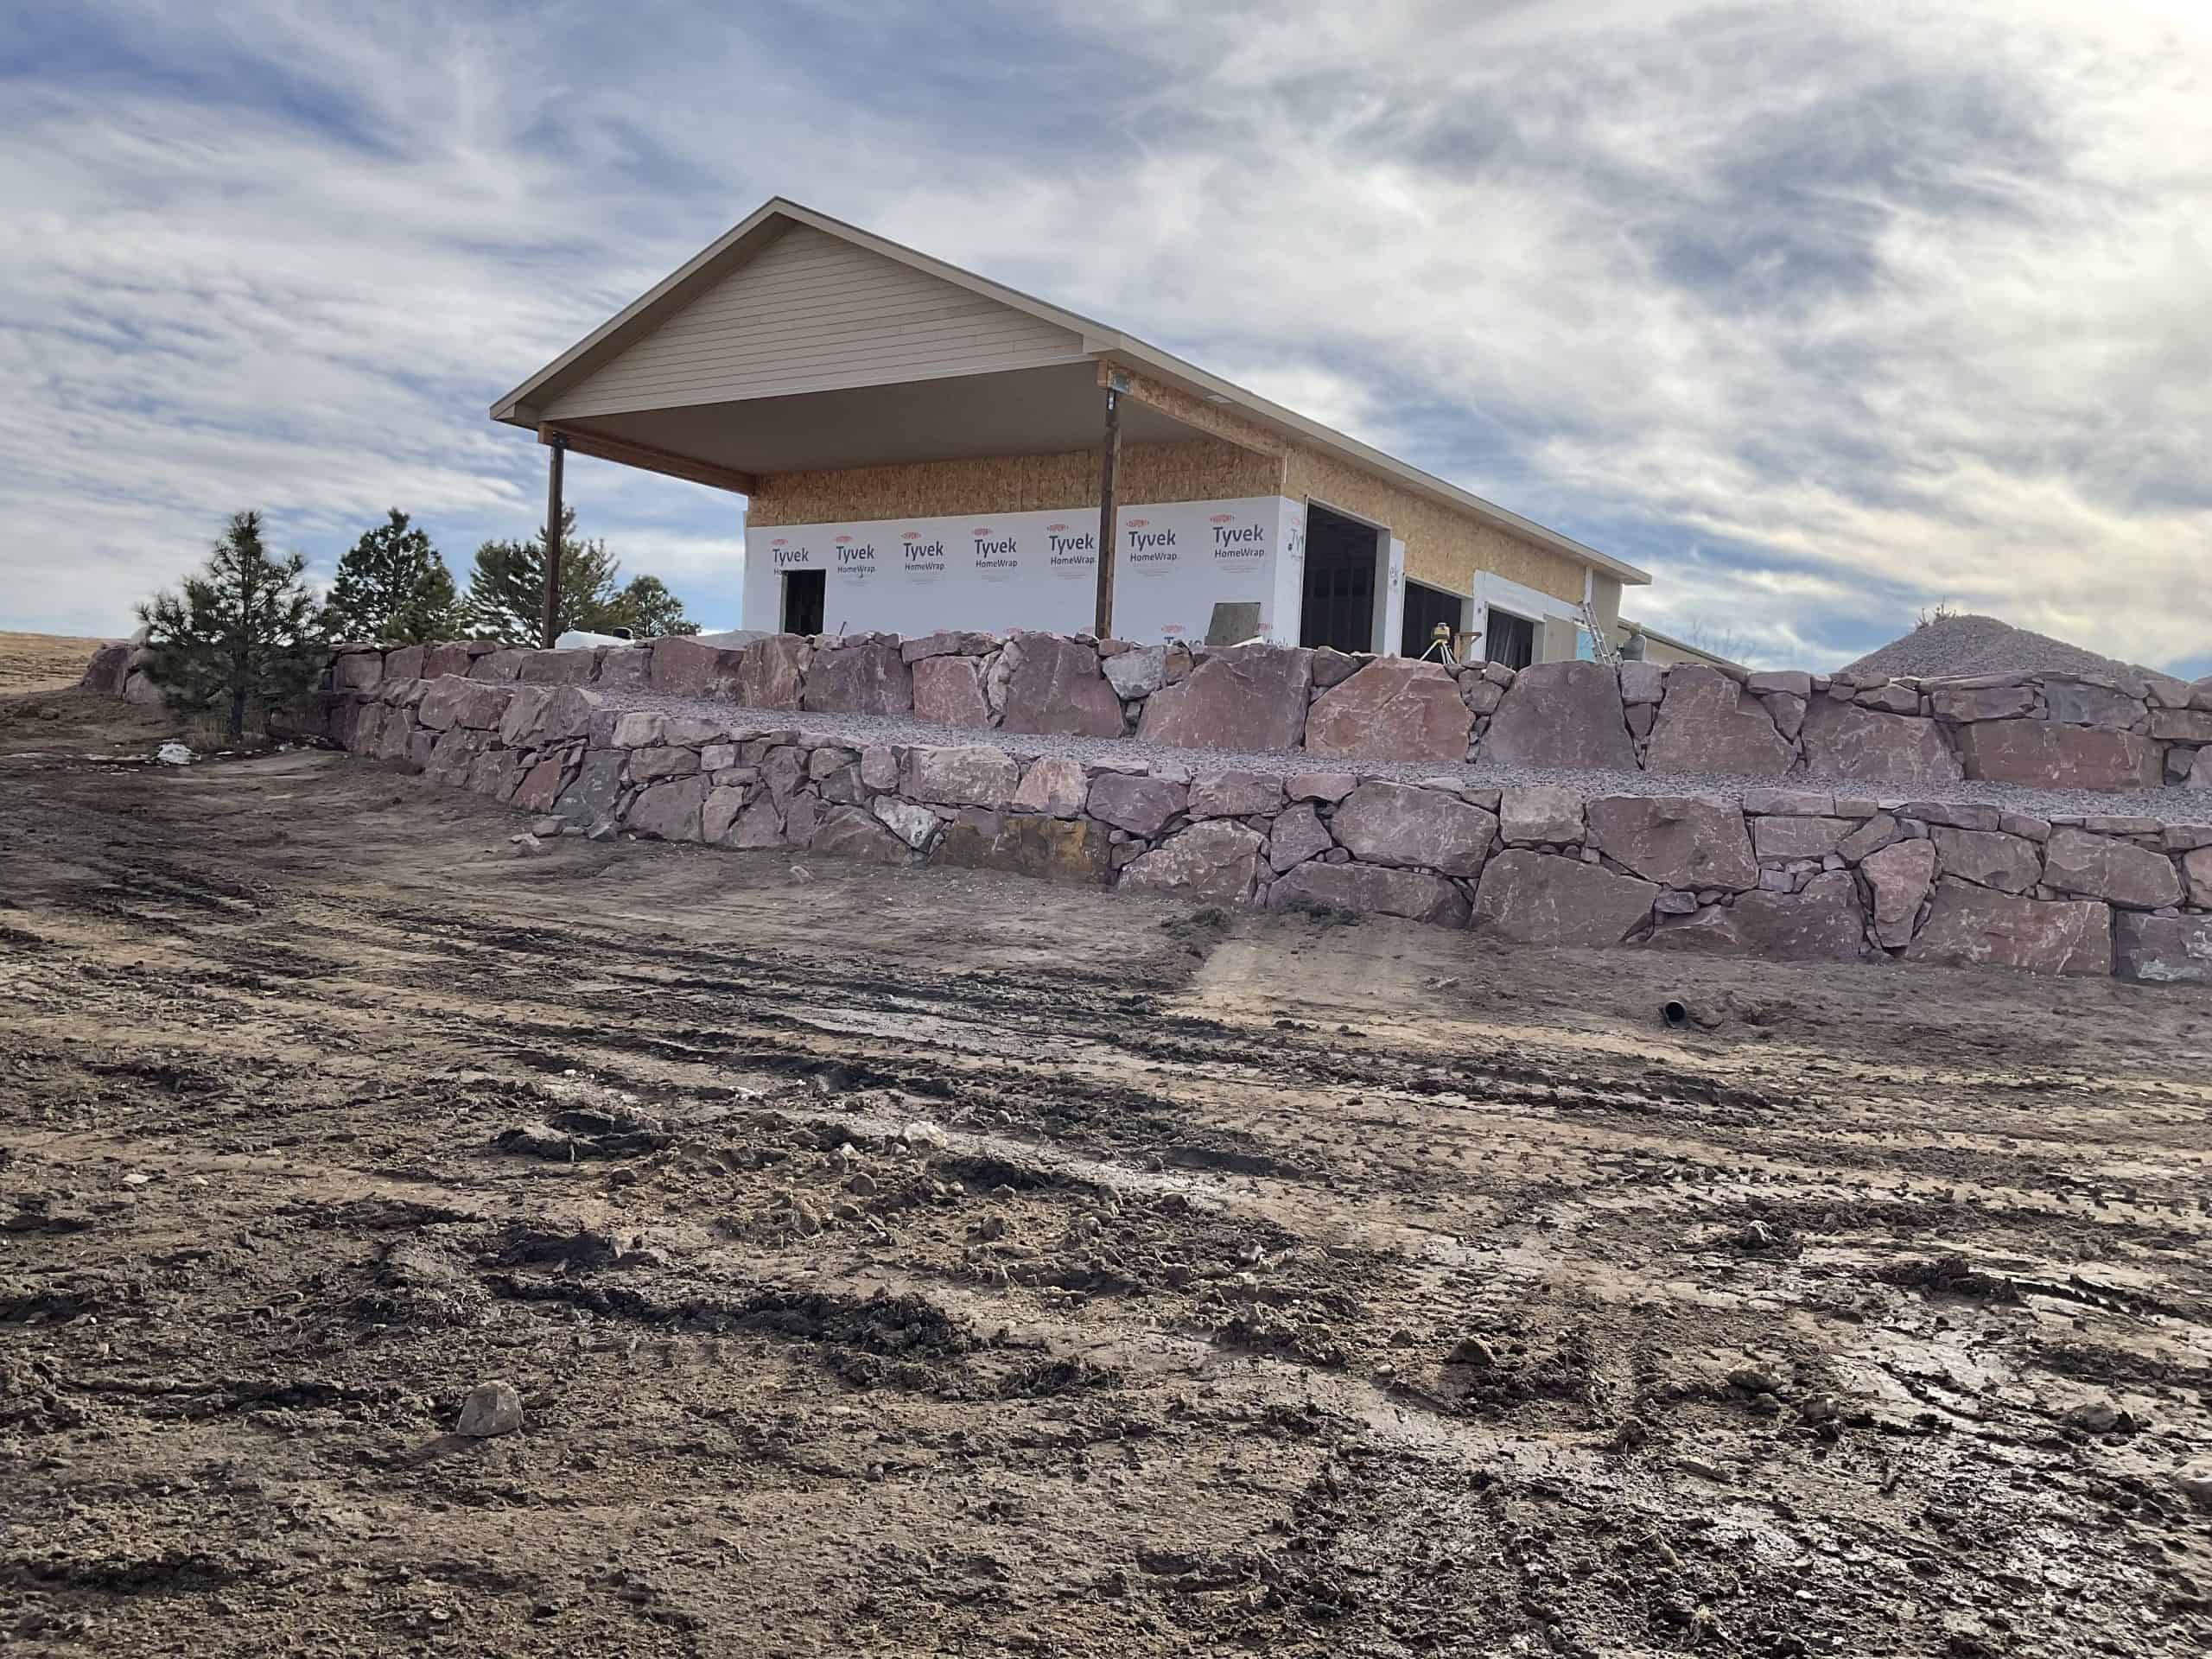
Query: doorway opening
point(1344, 562)
point(1426, 608)
point(1509, 641)
point(805, 593)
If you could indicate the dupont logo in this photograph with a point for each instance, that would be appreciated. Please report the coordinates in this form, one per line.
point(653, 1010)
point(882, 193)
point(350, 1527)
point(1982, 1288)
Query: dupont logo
point(1056, 527)
point(843, 540)
point(1136, 524)
point(909, 535)
point(1223, 518)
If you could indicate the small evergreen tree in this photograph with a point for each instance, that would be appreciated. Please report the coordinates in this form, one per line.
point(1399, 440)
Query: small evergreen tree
point(431, 613)
point(646, 608)
point(242, 635)
point(392, 587)
point(506, 592)
point(507, 588)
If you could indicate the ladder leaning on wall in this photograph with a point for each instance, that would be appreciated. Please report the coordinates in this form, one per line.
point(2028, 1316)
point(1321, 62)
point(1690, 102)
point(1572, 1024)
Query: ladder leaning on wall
point(1602, 649)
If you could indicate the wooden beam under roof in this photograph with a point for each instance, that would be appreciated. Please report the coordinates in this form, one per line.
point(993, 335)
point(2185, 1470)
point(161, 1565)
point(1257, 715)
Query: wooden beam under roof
point(585, 441)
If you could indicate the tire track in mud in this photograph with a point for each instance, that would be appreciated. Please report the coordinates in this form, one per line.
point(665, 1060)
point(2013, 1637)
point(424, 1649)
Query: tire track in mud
point(1240, 1257)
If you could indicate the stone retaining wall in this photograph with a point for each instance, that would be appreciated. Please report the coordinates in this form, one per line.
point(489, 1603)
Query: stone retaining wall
point(2046, 730)
point(1790, 873)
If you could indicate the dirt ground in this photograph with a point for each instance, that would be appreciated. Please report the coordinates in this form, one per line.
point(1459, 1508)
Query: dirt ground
point(42, 662)
point(919, 1262)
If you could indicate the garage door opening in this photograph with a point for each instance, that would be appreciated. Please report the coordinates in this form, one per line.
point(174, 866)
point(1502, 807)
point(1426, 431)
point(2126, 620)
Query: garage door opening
point(1509, 641)
point(1426, 608)
point(1345, 562)
point(804, 593)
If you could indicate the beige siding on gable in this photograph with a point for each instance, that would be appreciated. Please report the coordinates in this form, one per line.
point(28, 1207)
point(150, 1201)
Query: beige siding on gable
point(812, 313)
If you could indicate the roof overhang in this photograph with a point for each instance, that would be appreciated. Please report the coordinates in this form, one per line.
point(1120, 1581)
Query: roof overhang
point(724, 444)
point(1053, 411)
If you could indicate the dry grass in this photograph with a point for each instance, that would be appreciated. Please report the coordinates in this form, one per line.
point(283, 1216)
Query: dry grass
point(42, 662)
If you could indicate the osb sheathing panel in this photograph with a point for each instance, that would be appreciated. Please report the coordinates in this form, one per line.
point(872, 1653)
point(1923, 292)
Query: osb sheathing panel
point(1201, 469)
point(1444, 548)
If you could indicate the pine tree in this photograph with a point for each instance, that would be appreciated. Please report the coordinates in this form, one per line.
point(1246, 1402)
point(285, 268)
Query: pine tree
point(649, 610)
point(391, 571)
point(241, 635)
point(506, 590)
point(431, 613)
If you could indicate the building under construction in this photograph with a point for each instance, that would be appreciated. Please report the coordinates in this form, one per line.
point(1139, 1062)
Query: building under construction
point(922, 448)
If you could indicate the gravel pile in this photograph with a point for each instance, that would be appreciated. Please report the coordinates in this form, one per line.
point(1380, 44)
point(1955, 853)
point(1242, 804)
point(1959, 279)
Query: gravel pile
point(2167, 806)
point(1952, 646)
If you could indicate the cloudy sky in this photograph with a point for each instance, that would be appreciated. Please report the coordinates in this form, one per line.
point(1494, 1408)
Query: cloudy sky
point(1825, 312)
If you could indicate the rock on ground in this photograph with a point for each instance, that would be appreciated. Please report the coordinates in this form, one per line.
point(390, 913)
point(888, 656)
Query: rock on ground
point(491, 1408)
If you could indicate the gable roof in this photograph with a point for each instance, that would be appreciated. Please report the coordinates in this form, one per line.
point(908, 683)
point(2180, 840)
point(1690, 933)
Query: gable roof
point(747, 240)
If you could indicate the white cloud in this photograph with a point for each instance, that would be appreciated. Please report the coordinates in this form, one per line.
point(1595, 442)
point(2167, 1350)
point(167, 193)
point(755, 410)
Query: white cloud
point(1821, 314)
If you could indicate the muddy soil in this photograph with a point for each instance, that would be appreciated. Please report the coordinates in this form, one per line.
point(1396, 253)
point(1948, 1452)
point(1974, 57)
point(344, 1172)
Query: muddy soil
point(62, 724)
point(928, 1261)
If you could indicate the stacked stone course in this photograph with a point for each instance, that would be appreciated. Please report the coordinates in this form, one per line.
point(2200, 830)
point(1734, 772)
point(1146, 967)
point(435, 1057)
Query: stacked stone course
point(2043, 729)
point(1791, 872)
point(1798, 869)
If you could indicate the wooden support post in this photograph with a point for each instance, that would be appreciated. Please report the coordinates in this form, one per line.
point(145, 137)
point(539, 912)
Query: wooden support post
point(550, 625)
point(1110, 456)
